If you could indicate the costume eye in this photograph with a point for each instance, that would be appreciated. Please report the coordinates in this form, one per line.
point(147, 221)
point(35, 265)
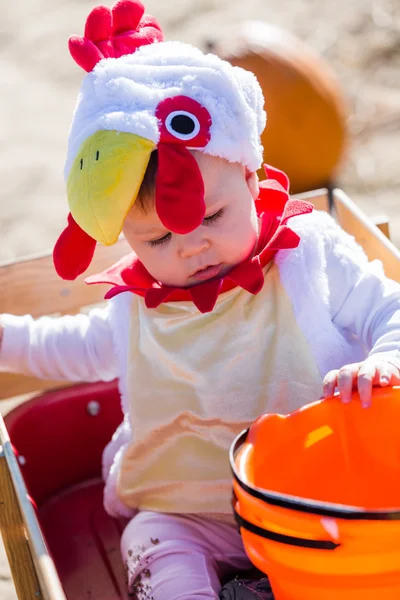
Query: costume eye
point(182, 124)
point(183, 120)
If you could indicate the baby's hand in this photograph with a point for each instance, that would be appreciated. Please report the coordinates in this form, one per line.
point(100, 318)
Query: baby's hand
point(374, 371)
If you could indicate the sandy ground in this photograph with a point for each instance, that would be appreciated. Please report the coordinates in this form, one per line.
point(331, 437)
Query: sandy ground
point(359, 38)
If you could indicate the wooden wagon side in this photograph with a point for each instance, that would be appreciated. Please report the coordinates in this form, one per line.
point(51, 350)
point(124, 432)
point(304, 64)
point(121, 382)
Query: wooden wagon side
point(32, 287)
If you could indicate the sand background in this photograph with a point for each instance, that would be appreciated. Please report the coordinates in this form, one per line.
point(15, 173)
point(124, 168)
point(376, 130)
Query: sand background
point(360, 39)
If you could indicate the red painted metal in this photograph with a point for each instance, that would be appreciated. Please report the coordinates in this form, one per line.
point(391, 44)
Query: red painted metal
point(61, 443)
point(84, 542)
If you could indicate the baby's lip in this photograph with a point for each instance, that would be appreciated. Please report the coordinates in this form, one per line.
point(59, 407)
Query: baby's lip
point(207, 272)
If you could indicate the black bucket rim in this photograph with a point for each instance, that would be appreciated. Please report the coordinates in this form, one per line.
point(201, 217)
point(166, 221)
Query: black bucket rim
point(307, 505)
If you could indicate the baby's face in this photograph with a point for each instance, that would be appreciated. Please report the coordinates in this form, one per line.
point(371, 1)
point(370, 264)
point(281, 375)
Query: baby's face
point(226, 237)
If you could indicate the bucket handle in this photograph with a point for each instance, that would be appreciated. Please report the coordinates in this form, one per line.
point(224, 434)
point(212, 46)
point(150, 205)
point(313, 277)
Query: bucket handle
point(282, 538)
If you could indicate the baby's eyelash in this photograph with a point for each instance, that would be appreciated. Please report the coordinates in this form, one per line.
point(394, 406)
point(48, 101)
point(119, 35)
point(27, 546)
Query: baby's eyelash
point(160, 241)
point(214, 217)
point(206, 221)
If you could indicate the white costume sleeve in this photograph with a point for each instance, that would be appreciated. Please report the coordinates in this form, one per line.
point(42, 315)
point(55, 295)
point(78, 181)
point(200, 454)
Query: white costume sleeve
point(73, 348)
point(363, 300)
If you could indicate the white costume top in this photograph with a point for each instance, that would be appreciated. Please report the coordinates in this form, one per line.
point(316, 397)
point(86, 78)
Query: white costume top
point(200, 378)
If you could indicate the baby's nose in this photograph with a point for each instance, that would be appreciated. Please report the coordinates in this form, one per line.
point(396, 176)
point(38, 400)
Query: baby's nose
point(192, 244)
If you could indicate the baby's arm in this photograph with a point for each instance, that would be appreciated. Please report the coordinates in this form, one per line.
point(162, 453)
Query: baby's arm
point(363, 302)
point(73, 348)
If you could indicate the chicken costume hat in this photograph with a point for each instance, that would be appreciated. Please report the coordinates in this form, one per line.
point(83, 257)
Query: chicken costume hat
point(143, 94)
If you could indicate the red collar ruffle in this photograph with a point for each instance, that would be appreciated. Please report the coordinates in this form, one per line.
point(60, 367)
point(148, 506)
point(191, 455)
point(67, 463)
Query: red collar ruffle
point(274, 208)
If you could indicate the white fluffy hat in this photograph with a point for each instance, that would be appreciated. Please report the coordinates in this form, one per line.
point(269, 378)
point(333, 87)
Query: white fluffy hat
point(123, 94)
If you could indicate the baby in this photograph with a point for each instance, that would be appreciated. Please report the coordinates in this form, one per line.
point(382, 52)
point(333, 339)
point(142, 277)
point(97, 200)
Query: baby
point(235, 301)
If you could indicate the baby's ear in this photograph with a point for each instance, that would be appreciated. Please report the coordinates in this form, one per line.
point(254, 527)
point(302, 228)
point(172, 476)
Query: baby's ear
point(252, 184)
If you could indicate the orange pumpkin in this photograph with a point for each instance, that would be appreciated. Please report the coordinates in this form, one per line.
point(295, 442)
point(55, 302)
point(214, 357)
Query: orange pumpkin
point(305, 134)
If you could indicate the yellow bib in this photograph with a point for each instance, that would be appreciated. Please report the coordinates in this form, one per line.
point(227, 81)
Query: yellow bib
point(196, 380)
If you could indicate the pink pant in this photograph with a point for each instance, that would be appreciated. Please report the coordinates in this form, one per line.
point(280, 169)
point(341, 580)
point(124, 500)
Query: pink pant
point(180, 557)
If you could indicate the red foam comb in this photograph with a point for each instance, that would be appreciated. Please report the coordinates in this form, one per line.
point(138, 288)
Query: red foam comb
point(111, 33)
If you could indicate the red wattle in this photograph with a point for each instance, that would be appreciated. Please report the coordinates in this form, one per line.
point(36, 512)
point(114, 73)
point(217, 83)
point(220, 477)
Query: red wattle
point(180, 201)
point(73, 251)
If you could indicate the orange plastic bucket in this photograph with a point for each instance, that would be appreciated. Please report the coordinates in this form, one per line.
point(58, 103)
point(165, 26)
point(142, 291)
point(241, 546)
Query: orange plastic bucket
point(318, 499)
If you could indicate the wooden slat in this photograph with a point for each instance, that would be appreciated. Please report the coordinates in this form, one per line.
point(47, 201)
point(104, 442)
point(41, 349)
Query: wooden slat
point(317, 197)
point(373, 237)
point(382, 223)
point(14, 538)
point(33, 569)
point(374, 242)
point(32, 286)
point(12, 385)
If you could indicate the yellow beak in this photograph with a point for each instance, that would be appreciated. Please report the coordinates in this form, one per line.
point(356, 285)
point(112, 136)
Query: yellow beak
point(104, 181)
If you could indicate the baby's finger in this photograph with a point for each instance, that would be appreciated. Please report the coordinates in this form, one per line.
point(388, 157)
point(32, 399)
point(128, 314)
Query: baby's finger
point(346, 378)
point(366, 376)
point(387, 374)
point(329, 383)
